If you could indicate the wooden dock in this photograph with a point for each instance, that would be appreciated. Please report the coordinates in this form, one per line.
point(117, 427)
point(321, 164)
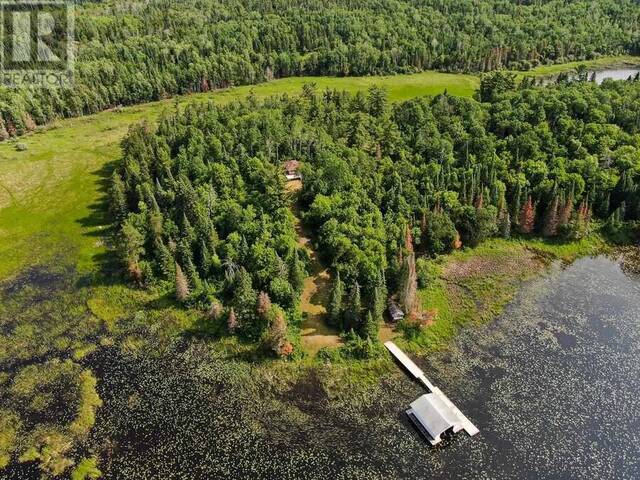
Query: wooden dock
point(458, 420)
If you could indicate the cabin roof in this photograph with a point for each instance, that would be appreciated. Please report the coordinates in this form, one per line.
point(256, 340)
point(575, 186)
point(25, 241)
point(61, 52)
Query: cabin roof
point(291, 165)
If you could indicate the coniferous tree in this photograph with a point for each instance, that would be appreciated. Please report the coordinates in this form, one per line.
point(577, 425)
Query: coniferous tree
point(204, 259)
point(566, 212)
point(409, 283)
point(378, 303)
point(276, 338)
point(118, 198)
point(335, 302)
point(166, 263)
point(263, 306)
point(551, 219)
point(132, 248)
point(371, 327)
point(352, 314)
point(504, 223)
point(517, 206)
point(244, 303)
point(297, 272)
point(185, 257)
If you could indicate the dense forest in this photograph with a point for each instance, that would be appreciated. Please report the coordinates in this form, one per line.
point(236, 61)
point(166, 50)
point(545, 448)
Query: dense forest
point(131, 52)
point(200, 202)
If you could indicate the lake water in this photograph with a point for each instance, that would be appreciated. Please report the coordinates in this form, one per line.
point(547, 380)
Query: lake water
point(616, 74)
point(553, 385)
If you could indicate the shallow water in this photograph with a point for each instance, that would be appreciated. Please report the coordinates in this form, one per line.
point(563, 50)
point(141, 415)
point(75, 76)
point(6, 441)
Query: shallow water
point(613, 73)
point(616, 74)
point(553, 385)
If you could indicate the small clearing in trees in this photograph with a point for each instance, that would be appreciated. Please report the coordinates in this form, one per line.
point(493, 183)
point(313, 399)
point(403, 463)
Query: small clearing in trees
point(316, 334)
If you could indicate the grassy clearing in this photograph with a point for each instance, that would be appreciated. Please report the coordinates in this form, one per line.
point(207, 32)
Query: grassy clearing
point(51, 194)
point(474, 285)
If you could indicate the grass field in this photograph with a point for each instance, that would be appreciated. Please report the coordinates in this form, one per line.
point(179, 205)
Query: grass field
point(50, 193)
point(474, 285)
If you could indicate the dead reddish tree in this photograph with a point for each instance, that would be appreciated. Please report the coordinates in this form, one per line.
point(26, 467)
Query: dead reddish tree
point(566, 212)
point(550, 228)
point(527, 217)
point(232, 321)
point(263, 305)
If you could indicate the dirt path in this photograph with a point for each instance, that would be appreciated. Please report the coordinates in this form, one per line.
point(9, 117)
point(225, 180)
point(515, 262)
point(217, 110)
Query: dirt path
point(316, 334)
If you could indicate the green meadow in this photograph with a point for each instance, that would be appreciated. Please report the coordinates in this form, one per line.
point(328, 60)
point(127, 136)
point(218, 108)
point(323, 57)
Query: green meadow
point(50, 194)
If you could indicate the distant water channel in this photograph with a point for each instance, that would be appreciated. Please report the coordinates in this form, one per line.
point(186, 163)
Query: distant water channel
point(614, 73)
point(553, 384)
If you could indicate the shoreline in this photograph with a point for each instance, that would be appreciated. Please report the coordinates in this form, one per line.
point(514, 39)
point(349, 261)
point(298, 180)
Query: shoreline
point(598, 65)
point(473, 287)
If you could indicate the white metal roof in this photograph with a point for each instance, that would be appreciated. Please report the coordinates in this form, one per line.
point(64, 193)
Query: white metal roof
point(434, 412)
point(434, 415)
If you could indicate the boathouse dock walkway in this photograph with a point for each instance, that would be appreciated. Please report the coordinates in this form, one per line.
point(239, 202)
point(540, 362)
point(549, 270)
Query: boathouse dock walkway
point(462, 423)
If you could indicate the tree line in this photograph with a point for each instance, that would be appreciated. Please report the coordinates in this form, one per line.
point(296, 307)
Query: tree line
point(131, 52)
point(200, 204)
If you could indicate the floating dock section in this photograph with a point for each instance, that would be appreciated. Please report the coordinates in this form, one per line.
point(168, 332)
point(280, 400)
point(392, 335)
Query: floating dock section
point(433, 413)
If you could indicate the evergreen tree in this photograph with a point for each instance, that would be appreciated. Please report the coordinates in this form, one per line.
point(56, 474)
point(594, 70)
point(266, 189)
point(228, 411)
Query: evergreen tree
point(184, 254)
point(244, 303)
point(118, 198)
point(297, 272)
point(371, 327)
point(504, 220)
point(131, 248)
point(335, 302)
point(352, 315)
point(165, 261)
point(517, 205)
point(494, 84)
point(378, 303)
point(204, 259)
